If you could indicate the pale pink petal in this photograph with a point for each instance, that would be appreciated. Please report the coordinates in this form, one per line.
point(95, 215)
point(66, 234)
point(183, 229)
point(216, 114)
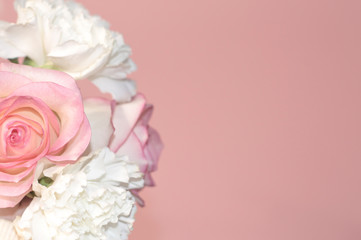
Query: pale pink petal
point(133, 148)
point(141, 131)
point(146, 115)
point(152, 149)
point(99, 114)
point(143, 145)
point(152, 152)
point(125, 117)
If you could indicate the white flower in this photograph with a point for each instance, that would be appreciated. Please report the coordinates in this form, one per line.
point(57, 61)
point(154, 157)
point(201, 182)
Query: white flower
point(63, 35)
point(89, 200)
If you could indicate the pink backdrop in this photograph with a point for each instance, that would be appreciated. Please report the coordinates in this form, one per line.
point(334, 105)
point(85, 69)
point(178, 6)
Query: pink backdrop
point(259, 105)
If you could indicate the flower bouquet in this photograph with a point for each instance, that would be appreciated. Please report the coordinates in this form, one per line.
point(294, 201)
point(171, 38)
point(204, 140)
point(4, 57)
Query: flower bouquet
point(75, 146)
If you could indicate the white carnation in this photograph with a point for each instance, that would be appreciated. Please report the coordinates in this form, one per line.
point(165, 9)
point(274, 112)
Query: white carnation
point(88, 200)
point(63, 35)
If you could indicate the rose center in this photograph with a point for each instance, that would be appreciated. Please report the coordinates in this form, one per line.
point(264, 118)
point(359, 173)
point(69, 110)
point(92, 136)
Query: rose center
point(16, 136)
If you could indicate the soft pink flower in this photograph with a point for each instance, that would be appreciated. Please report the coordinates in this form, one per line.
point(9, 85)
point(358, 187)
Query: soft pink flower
point(41, 116)
point(124, 129)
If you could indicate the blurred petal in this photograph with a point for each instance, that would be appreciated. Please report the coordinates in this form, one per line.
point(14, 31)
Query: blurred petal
point(152, 153)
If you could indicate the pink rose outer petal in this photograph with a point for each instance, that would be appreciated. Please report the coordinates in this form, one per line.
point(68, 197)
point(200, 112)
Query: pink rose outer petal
point(12, 189)
point(41, 75)
point(9, 82)
point(8, 202)
point(12, 193)
point(76, 146)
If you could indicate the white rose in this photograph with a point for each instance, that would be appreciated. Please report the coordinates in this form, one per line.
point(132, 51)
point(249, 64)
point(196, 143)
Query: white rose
point(63, 35)
point(87, 200)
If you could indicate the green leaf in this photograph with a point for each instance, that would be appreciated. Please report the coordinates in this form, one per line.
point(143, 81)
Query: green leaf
point(46, 181)
point(29, 62)
point(47, 65)
point(31, 194)
point(14, 60)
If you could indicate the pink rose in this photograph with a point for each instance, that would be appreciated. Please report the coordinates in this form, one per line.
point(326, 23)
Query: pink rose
point(41, 116)
point(124, 129)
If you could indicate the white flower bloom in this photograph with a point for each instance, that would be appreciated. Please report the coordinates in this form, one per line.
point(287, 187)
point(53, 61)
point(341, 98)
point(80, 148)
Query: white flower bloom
point(87, 200)
point(63, 35)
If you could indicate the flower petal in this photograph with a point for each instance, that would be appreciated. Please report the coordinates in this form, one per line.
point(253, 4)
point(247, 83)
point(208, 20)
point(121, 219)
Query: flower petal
point(133, 148)
point(27, 39)
point(15, 188)
point(79, 60)
point(41, 75)
point(66, 103)
point(125, 117)
point(9, 82)
point(8, 202)
point(7, 48)
point(76, 146)
point(122, 90)
point(99, 114)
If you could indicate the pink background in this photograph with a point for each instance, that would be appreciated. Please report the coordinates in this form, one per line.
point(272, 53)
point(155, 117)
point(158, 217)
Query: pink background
point(259, 105)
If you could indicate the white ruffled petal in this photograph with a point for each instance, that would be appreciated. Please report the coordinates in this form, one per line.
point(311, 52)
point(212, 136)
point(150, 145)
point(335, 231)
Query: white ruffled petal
point(88, 200)
point(63, 35)
point(7, 230)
